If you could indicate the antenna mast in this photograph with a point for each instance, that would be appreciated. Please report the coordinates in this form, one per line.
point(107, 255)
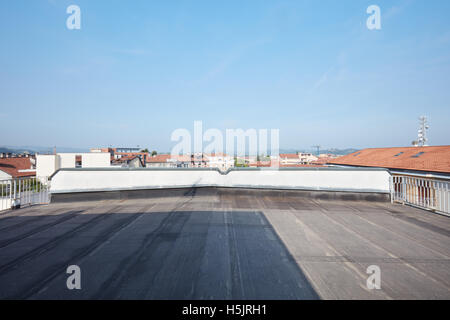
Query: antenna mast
point(318, 149)
point(422, 132)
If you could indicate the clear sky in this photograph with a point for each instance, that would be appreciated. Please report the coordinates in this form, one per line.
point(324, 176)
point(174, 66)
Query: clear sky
point(137, 70)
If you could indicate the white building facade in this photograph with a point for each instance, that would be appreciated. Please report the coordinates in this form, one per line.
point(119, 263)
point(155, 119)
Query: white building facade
point(46, 165)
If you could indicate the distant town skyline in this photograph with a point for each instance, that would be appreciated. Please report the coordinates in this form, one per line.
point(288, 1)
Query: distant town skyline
point(48, 149)
point(136, 72)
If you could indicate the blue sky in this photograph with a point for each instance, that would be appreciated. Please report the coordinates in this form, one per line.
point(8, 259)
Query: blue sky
point(137, 70)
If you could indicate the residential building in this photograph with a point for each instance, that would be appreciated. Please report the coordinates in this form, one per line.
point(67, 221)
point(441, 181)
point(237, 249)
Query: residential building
point(420, 175)
point(432, 160)
point(221, 161)
point(296, 158)
point(119, 152)
point(199, 160)
point(132, 161)
point(161, 161)
point(16, 167)
point(260, 164)
point(323, 159)
point(47, 164)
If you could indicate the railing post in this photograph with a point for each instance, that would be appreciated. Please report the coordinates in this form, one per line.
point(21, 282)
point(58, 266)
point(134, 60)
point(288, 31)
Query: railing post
point(13, 191)
point(391, 186)
point(404, 189)
point(421, 191)
point(20, 192)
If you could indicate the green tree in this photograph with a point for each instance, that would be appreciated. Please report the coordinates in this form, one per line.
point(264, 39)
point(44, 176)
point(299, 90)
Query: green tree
point(154, 153)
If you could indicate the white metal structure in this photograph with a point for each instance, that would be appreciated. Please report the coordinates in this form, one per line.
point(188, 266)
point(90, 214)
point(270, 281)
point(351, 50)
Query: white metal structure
point(422, 191)
point(422, 133)
point(22, 192)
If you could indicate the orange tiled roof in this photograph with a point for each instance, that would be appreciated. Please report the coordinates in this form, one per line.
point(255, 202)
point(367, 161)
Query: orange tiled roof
point(12, 166)
point(159, 158)
point(300, 165)
point(289, 155)
point(125, 158)
point(434, 159)
point(218, 154)
point(323, 160)
point(260, 164)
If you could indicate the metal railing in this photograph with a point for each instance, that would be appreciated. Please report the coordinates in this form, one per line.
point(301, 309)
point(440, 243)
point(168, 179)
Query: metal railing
point(21, 192)
point(428, 193)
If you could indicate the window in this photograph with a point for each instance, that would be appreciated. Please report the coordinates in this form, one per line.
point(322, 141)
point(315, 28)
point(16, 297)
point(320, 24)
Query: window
point(398, 154)
point(78, 161)
point(357, 154)
point(417, 155)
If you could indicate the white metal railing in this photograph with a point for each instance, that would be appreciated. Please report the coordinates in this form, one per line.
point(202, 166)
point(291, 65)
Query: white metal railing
point(23, 192)
point(423, 192)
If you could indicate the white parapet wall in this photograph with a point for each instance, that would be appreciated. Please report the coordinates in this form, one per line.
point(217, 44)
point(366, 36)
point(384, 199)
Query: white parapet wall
point(325, 179)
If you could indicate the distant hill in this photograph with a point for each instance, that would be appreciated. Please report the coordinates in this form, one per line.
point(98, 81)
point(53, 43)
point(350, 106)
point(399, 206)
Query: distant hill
point(43, 150)
point(339, 152)
point(6, 150)
point(34, 149)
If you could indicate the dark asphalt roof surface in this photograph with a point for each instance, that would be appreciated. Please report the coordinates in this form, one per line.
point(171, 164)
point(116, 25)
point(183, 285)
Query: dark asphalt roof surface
point(217, 244)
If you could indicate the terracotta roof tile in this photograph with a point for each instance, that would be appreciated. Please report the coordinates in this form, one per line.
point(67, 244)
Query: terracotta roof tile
point(159, 158)
point(300, 165)
point(12, 166)
point(289, 155)
point(323, 160)
point(434, 159)
point(260, 164)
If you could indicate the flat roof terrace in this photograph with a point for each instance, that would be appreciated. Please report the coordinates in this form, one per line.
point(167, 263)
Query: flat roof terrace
point(218, 243)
